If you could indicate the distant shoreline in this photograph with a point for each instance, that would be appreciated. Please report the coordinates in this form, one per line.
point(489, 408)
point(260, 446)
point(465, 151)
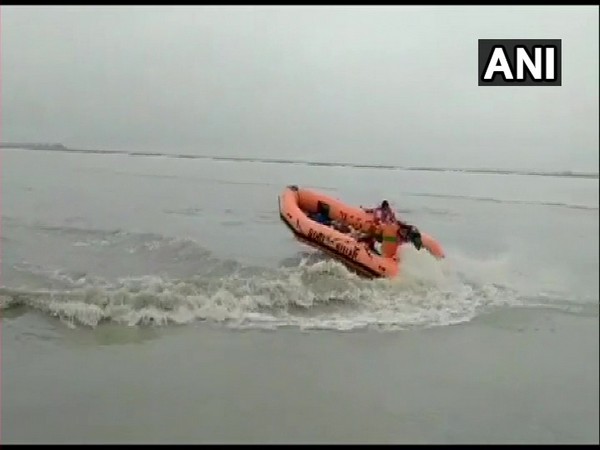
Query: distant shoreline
point(33, 146)
point(62, 148)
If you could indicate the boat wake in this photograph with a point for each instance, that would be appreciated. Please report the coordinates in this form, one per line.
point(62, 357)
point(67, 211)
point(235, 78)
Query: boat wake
point(307, 291)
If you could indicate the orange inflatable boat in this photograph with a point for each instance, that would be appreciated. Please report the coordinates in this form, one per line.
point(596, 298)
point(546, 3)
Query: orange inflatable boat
point(297, 209)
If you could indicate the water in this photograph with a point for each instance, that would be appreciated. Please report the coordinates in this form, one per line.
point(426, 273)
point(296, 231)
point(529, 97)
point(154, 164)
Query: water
point(137, 291)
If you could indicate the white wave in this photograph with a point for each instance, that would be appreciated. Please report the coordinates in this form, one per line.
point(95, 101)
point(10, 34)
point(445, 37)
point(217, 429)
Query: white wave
point(321, 295)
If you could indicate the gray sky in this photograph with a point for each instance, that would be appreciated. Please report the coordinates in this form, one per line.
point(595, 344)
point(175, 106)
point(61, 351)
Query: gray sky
point(394, 84)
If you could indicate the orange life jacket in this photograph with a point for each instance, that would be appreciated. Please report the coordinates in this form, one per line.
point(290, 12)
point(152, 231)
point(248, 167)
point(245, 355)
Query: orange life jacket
point(389, 241)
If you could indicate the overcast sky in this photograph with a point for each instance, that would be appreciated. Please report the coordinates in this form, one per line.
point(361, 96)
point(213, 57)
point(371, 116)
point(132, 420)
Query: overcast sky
point(395, 84)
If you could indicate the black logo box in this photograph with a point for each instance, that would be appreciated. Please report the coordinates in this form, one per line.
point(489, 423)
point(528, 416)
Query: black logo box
point(486, 47)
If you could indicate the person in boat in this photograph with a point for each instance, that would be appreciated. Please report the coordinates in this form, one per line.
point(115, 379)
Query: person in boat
point(409, 233)
point(382, 213)
point(322, 214)
point(391, 240)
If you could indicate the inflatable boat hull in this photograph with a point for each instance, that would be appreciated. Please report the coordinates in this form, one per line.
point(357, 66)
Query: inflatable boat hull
point(295, 206)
